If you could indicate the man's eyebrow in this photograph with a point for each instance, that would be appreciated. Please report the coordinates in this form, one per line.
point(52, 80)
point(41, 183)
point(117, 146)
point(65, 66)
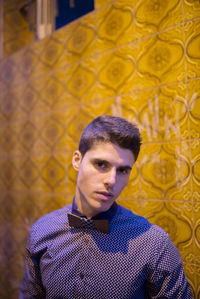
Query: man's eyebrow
point(126, 167)
point(96, 160)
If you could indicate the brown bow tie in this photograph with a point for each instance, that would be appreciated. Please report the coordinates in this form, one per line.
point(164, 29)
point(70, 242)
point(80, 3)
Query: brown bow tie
point(77, 221)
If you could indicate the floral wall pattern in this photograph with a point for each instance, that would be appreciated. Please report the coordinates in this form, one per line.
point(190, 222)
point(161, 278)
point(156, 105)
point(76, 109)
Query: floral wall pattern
point(133, 58)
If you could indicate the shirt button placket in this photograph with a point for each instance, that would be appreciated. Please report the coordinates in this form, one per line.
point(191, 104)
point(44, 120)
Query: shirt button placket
point(81, 275)
point(84, 258)
point(86, 241)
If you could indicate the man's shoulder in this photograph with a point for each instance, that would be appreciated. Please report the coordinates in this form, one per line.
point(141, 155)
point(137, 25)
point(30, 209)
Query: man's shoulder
point(50, 223)
point(130, 217)
point(139, 224)
point(55, 216)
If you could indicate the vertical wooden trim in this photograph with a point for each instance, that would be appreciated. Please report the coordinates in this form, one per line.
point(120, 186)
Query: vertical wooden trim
point(1, 29)
point(71, 3)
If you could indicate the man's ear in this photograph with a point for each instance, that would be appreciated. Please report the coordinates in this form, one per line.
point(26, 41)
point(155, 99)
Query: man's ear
point(76, 160)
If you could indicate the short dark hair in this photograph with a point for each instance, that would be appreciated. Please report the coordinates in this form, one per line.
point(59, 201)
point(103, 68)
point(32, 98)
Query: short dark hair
point(111, 129)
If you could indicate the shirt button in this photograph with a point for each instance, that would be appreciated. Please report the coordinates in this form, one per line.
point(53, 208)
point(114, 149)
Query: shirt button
point(81, 275)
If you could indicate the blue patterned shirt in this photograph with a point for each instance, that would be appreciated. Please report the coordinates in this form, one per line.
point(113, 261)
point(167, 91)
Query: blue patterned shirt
point(136, 259)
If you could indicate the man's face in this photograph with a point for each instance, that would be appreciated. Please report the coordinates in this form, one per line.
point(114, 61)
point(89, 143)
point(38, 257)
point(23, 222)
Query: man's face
point(103, 173)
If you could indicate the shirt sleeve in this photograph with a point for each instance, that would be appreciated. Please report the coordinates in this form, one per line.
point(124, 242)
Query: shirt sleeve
point(168, 279)
point(31, 286)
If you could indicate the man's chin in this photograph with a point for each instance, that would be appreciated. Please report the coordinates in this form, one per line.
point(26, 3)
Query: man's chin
point(102, 206)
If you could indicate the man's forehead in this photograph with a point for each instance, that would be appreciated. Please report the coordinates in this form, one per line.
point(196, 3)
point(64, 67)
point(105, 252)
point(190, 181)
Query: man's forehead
point(110, 151)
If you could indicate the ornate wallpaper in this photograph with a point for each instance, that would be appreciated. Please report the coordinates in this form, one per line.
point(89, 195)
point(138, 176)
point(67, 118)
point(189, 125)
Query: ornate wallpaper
point(18, 24)
point(139, 59)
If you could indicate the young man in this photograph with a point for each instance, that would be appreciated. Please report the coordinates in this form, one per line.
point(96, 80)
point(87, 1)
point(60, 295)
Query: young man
point(95, 248)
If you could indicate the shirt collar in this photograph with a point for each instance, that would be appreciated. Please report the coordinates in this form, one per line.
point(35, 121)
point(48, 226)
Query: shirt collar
point(107, 215)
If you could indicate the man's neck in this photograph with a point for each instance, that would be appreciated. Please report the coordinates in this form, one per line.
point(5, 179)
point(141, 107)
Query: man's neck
point(84, 208)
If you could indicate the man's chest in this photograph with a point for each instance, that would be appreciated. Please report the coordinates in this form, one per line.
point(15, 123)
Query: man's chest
point(84, 265)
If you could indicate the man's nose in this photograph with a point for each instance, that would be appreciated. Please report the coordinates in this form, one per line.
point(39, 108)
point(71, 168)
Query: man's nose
point(110, 178)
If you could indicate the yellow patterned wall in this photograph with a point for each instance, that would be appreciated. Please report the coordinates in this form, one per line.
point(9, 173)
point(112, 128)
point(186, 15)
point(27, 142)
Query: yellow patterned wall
point(139, 59)
point(17, 25)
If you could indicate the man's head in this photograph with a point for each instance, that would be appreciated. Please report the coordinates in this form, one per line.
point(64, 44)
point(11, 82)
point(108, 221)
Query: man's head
point(111, 129)
point(107, 151)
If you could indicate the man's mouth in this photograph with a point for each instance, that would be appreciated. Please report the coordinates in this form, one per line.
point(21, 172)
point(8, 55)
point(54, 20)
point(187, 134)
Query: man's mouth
point(105, 195)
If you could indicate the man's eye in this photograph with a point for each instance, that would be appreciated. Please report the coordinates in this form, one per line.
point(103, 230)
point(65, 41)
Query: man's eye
point(123, 171)
point(101, 164)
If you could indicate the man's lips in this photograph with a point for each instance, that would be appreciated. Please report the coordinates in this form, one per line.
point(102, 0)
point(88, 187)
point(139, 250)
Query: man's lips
point(105, 195)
